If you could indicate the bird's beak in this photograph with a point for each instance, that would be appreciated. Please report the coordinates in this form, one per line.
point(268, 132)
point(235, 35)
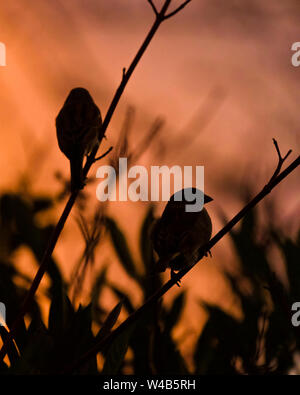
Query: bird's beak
point(207, 199)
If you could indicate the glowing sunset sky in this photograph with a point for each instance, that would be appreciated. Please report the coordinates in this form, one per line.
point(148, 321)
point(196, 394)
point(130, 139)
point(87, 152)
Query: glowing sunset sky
point(219, 73)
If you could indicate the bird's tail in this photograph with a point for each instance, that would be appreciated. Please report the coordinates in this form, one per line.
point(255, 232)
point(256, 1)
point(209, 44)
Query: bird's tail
point(76, 173)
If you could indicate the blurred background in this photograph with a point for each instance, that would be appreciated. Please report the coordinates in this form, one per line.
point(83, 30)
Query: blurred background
point(214, 87)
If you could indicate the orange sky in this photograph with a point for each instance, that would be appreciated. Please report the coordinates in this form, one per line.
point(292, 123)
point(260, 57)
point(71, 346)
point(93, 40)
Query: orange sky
point(219, 73)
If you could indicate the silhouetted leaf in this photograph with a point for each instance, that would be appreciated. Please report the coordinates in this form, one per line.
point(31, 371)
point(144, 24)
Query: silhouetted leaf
point(173, 315)
point(115, 354)
point(252, 255)
point(145, 242)
point(3, 368)
point(167, 357)
point(97, 288)
point(41, 203)
point(277, 341)
point(121, 247)
point(13, 296)
point(141, 341)
point(109, 322)
point(12, 351)
point(123, 297)
point(291, 253)
point(218, 343)
point(36, 357)
point(61, 312)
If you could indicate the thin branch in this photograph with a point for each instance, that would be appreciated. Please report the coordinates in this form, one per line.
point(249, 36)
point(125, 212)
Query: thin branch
point(153, 7)
point(280, 160)
point(104, 155)
point(177, 9)
point(178, 276)
point(126, 74)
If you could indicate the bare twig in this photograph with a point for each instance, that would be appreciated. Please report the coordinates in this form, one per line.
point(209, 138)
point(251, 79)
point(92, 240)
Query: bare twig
point(104, 155)
point(177, 9)
point(153, 7)
point(90, 160)
point(174, 279)
point(280, 160)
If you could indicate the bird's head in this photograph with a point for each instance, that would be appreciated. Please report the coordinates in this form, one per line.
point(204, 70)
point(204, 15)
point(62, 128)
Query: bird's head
point(80, 108)
point(79, 95)
point(192, 197)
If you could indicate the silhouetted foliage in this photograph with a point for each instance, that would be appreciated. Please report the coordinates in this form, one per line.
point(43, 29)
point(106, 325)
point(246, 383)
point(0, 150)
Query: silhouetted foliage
point(262, 342)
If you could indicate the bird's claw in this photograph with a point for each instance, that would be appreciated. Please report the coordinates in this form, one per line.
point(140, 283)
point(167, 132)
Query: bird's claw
point(173, 274)
point(208, 253)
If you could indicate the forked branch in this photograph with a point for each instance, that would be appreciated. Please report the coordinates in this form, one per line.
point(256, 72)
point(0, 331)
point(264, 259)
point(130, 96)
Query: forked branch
point(280, 160)
point(161, 15)
point(153, 7)
point(177, 9)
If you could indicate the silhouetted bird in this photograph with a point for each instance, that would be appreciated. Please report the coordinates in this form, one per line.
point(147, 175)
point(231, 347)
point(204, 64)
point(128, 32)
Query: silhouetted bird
point(177, 234)
point(78, 125)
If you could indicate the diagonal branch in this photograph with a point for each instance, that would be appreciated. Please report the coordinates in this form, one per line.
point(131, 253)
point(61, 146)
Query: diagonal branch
point(174, 279)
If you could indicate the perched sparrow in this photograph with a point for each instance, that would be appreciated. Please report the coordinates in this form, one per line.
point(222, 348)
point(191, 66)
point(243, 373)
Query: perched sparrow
point(78, 126)
point(177, 235)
